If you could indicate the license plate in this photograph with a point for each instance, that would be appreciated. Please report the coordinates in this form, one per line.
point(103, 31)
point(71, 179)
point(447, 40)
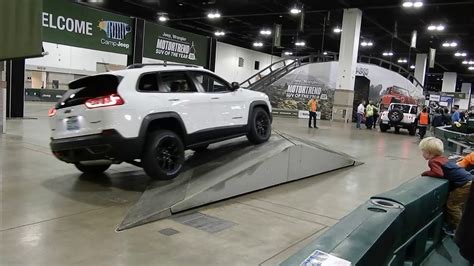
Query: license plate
point(72, 123)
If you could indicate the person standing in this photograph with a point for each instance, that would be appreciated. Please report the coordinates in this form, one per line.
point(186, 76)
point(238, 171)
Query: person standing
point(312, 107)
point(369, 115)
point(360, 114)
point(456, 117)
point(447, 117)
point(423, 122)
point(376, 116)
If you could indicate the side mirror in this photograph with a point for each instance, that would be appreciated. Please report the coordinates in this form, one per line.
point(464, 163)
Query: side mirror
point(234, 86)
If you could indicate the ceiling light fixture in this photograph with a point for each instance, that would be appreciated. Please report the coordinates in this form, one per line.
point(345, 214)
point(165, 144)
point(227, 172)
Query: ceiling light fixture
point(402, 61)
point(460, 54)
point(219, 33)
point(366, 43)
point(288, 53)
point(387, 54)
point(450, 44)
point(337, 30)
point(471, 68)
point(325, 53)
point(436, 27)
point(257, 44)
point(407, 4)
point(418, 4)
point(295, 10)
point(412, 66)
point(266, 32)
point(162, 18)
point(300, 43)
point(214, 15)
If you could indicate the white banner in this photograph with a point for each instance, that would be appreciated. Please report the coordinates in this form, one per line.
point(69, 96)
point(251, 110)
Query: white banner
point(3, 108)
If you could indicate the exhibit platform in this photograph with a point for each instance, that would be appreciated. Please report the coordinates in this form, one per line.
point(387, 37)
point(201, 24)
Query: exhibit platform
point(233, 168)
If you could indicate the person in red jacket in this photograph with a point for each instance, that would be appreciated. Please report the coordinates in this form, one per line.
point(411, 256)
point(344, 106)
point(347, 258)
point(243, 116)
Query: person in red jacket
point(460, 180)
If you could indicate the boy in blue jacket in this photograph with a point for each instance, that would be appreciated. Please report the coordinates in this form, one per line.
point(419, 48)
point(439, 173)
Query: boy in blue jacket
point(459, 180)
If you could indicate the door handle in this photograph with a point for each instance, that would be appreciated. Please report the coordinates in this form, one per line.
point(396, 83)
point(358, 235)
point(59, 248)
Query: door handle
point(174, 100)
point(215, 98)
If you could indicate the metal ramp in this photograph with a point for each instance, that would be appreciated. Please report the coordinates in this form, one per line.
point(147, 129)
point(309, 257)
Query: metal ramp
point(234, 168)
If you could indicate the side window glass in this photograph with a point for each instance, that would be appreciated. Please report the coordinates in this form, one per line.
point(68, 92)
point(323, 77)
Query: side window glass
point(148, 83)
point(210, 83)
point(175, 82)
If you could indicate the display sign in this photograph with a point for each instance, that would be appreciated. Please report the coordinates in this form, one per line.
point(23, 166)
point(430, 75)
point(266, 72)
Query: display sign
point(456, 95)
point(3, 106)
point(435, 97)
point(72, 24)
point(173, 45)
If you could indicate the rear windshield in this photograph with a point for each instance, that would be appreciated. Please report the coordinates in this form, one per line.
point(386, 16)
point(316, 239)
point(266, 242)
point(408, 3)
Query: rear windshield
point(405, 108)
point(87, 88)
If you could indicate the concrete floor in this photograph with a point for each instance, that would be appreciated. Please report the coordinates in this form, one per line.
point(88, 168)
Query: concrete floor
point(51, 215)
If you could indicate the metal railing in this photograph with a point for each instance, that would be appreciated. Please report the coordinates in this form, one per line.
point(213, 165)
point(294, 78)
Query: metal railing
point(390, 66)
point(275, 71)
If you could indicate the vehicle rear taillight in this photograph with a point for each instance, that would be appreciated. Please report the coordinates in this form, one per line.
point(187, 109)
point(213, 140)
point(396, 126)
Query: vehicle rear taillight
point(104, 101)
point(52, 112)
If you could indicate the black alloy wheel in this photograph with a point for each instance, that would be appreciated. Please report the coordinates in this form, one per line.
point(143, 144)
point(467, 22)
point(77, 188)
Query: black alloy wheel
point(260, 126)
point(164, 155)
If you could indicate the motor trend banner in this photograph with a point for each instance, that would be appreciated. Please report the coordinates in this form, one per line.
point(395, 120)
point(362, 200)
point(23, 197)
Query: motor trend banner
point(173, 45)
point(72, 24)
point(294, 90)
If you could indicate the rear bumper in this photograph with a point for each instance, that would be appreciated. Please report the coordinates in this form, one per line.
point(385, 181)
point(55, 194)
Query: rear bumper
point(400, 125)
point(109, 145)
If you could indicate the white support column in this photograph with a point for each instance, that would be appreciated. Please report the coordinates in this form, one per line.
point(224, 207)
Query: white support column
point(420, 69)
point(449, 82)
point(348, 51)
point(464, 103)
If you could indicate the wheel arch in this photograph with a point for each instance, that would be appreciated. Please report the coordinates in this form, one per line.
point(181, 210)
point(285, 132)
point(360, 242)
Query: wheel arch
point(167, 121)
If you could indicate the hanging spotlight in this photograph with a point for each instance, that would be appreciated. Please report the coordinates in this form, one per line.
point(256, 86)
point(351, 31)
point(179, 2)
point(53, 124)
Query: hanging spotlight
point(257, 44)
point(266, 32)
point(407, 4)
point(471, 68)
point(337, 30)
point(460, 54)
point(300, 43)
point(219, 33)
point(214, 15)
point(162, 17)
point(325, 53)
point(410, 4)
point(412, 67)
point(418, 4)
point(387, 54)
point(288, 53)
point(439, 27)
point(295, 10)
point(450, 44)
point(402, 61)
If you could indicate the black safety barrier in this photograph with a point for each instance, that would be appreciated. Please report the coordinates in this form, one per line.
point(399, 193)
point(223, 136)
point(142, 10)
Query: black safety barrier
point(399, 227)
point(43, 95)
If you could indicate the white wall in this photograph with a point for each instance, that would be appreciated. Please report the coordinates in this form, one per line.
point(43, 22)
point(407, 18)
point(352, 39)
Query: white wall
point(464, 103)
point(227, 62)
point(74, 58)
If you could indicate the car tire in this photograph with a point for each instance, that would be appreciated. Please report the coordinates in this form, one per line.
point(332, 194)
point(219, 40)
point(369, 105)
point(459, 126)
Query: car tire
point(92, 168)
point(412, 130)
point(199, 149)
point(395, 115)
point(260, 126)
point(163, 157)
point(384, 128)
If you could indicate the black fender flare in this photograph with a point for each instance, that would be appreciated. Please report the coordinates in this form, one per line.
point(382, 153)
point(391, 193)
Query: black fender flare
point(147, 120)
point(256, 104)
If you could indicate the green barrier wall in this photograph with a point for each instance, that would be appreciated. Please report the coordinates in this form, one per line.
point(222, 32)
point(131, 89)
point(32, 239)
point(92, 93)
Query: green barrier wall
point(399, 227)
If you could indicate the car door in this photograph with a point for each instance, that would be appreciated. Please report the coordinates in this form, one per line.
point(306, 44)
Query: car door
point(229, 107)
point(175, 92)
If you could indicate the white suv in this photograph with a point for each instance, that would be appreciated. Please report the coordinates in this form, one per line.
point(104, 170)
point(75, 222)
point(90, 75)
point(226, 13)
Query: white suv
point(148, 115)
point(399, 115)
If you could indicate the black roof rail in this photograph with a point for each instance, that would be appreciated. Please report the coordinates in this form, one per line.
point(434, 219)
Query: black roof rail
point(139, 65)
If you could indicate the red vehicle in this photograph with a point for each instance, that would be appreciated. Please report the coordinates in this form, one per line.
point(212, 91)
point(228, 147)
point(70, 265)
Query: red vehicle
point(396, 95)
